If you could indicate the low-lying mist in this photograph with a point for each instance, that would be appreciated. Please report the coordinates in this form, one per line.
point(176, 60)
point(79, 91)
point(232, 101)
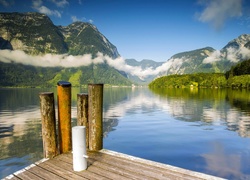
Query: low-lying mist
point(64, 60)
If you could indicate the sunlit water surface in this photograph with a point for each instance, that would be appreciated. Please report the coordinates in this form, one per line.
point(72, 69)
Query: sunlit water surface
point(202, 130)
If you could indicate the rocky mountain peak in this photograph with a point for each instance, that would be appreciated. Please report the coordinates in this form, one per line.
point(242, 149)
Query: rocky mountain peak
point(34, 33)
point(241, 41)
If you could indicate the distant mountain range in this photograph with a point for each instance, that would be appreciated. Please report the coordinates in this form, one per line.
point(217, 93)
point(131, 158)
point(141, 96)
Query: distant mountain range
point(210, 60)
point(32, 45)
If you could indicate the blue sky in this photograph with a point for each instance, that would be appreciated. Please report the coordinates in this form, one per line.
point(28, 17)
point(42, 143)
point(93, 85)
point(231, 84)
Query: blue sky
point(149, 29)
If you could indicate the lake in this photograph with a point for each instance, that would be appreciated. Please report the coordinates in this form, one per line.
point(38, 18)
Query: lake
point(205, 130)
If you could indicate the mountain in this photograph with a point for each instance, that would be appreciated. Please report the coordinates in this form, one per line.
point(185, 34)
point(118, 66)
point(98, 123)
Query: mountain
point(237, 77)
point(239, 42)
point(37, 36)
point(14, 74)
point(84, 38)
point(144, 65)
point(191, 62)
point(204, 60)
point(33, 33)
point(209, 60)
point(82, 43)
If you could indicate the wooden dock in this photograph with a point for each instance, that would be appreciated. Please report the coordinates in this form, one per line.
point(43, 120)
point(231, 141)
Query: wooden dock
point(101, 164)
point(105, 164)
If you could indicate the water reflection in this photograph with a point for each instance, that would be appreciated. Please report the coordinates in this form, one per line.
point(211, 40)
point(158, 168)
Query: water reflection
point(177, 126)
point(226, 164)
point(218, 107)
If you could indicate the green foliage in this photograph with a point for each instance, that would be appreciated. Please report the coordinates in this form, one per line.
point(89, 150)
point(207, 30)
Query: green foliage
point(240, 69)
point(19, 75)
point(237, 77)
point(12, 74)
point(75, 78)
point(242, 81)
point(202, 80)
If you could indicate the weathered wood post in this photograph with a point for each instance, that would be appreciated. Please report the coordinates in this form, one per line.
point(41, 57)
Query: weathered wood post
point(47, 109)
point(64, 116)
point(95, 116)
point(82, 114)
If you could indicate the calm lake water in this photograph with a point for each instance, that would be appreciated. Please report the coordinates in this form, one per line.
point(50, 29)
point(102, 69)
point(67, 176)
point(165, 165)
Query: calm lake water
point(202, 130)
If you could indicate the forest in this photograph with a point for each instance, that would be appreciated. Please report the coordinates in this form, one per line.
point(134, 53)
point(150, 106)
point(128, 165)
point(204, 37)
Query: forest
point(19, 75)
point(237, 77)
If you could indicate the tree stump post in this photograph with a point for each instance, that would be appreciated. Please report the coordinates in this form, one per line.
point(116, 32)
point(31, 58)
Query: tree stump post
point(95, 103)
point(47, 109)
point(64, 116)
point(82, 114)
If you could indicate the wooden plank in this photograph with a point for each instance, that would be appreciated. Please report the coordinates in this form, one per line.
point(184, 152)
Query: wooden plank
point(106, 165)
point(57, 169)
point(101, 168)
point(184, 173)
point(109, 167)
point(133, 167)
point(68, 158)
point(69, 167)
point(44, 173)
point(27, 175)
point(107, 174)
point(12, 177)
point(115, 169)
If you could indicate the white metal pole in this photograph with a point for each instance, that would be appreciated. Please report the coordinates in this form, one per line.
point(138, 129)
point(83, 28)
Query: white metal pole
point(79, 148)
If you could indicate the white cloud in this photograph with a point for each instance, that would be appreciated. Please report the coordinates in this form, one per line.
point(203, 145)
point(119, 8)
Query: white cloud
point(245, 52)
point(60, 3)
point(6, 3)
point(231, 54)
point(215, 56)
point(120, 64)
point(48, 60)
point(37, 5)
point(65, 60)
point(45, 10)
point(234, 55)
point(216, 12)
point(74, 19)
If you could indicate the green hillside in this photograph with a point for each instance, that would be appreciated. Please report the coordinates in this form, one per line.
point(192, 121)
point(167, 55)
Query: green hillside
point(242, 68)
point(190, 80)
point(19, 75)
point(237, 77)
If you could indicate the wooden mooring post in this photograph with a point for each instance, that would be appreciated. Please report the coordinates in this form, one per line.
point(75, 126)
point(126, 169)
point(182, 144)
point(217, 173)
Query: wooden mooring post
point(95, 102)
point(64, 116)
point(89, 114)
point(82, 114)
point(47, 109)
